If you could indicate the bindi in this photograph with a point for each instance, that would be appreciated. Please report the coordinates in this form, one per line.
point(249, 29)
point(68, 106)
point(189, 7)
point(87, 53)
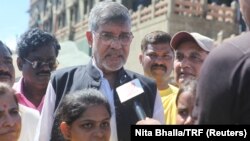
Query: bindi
point(5, 106)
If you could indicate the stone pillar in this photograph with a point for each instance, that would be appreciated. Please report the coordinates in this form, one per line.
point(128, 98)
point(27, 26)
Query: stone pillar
point(50, 17)
point(54, 23)
point(171, 7)
point(69, 22)
point(153, 9)
point(222, 12)
point(204, 8)
point(236, 14)
point(68, 16)
point(219, 37)
point(139, 9)
point(81, 9)
point(89, 6)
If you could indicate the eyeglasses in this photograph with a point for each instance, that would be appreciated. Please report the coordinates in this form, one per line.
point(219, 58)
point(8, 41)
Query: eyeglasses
point(108, 38)
point(38, 64)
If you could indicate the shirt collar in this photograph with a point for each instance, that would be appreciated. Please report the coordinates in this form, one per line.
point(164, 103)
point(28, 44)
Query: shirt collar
point(94, 64)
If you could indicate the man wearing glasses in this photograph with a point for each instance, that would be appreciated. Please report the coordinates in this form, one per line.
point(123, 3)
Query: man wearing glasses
point(37, 51)
point(110, 37)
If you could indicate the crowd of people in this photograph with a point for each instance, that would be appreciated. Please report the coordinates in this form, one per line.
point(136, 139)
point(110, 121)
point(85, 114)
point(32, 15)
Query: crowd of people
point(82, 103)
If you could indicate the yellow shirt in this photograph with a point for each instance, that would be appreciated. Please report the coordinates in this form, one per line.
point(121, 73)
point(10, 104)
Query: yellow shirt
point(168, 97)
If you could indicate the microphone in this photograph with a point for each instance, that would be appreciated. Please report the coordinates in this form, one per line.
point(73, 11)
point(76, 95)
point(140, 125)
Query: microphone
point(130, 90)
point(139, 111)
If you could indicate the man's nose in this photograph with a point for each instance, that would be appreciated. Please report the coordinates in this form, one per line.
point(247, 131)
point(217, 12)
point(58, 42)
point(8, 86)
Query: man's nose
point(116, 43)
point(160, 60)
point(99, 132)
point(184, 62)
point(9, 121)
point(45, 66)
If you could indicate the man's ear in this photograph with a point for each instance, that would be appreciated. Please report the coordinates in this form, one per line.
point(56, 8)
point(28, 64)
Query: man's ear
point(141, 58)
point(65, 130)
point(19, 63)
point(89, 38)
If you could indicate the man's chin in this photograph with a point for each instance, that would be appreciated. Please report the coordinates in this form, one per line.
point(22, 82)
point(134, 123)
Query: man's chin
point(159, 77)
point(158, 73)
point(182, 79)
point(112, 67)
point(8, 81)
point(42, 82)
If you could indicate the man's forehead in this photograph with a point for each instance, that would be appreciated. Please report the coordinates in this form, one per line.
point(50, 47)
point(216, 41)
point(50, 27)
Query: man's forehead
point(112, 24)
point(190, 52)
point(159, 47)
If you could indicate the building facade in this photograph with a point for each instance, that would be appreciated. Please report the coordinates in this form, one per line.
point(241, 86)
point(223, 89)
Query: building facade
point(68, 20)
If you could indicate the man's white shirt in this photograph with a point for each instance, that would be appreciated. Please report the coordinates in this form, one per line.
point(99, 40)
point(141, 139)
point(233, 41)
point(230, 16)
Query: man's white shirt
point(47, 115)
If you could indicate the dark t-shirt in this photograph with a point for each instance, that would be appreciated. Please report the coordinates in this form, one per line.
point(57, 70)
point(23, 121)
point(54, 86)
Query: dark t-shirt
point(223, 91)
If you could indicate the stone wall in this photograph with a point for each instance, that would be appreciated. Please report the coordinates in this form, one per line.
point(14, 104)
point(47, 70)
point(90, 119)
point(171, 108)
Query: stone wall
point(167, 15)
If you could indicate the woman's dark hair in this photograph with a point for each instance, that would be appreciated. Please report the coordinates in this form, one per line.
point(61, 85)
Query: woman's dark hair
point(76, 103)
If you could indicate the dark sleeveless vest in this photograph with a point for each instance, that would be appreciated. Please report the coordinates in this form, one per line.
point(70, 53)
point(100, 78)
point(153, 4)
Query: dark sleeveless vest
point(71, 79)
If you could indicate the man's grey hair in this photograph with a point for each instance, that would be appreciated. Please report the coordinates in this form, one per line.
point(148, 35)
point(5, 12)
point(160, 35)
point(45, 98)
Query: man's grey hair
point(108, 12)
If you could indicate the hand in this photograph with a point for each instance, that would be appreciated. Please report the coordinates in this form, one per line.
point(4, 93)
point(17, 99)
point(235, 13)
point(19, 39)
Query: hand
point(148, 121)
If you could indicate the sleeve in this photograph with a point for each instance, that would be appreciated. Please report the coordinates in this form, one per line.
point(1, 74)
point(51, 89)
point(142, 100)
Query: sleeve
point(158, 109)
point(46, 119)
point(240, 87)
point(29, 123)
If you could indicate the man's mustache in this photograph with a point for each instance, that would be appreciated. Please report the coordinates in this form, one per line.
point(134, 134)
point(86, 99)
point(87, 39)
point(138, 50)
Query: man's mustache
point(5, 73)
point(156, 66)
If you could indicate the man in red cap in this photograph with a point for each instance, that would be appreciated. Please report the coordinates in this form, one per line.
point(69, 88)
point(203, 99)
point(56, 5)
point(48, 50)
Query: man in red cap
point(191, 49)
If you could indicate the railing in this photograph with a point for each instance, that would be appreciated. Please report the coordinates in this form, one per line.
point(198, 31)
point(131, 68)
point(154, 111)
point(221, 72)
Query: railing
point(222, 13)
point(80, 29)
point(62, 33)
point(81, 26)
point(189, 8)
point(186, 7)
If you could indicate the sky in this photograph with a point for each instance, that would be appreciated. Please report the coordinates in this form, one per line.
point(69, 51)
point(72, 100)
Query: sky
point(14, 20)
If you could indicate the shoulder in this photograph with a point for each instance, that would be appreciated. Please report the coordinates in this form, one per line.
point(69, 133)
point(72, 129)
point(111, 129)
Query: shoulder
point(229, 52)
point(69, 69)
point(29, 118)
point(147, 83)
point(243, 37)
point(65, 72)
point(173, 88)
point(141, 77)
point(236, 44)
